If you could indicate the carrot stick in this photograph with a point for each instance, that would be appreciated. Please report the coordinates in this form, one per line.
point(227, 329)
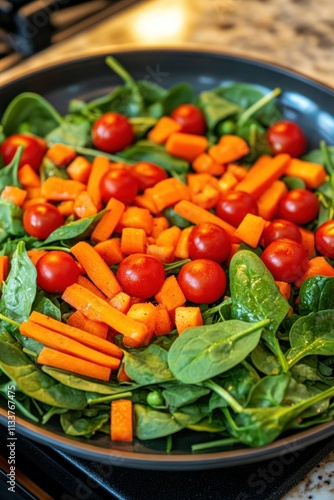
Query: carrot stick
point(121, 428)
point(227, 181)
point(263, 173)
point(84, 206)
point(3, 267)
point(133, 240)
point(163, 324)
point(164, 127)
point(308, 241)
point(313, 174)
point(61, 154)
point(76, 334)
point(100, 166)
point(110, 251)
point(97, 270)
point(186, 146)
point(182, 247)
point(109, 220)
point(28, 177)
point(67, 362)
point(14, 194)
point(66, 208)
point(99, 310)
point(79, 169)
point(67, 345)
point(58, 189)
point(250, 229)
point(268, 202)
point(318, 266)
point(79, 320)
point(121, 302)
point(187, 317)
point(196, 215)
point(86, 283)
point(229, 148)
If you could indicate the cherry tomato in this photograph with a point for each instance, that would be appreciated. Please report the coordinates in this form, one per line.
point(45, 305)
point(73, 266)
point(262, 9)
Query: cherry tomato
point(148, 174)
point(208, 241)
point(299, 206)
point(280, 228)
point(56, 270)
point(41, 219)
point(141, 275)
point(286, 137)
point(119, 184)
point(202, 281)
point(191, 119)
point(234, 205)
point(112, 132)
point(33, 152)
point(324, 239)
point(285, 259)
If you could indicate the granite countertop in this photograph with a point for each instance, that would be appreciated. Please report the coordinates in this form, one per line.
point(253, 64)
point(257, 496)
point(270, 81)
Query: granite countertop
point(298, 34)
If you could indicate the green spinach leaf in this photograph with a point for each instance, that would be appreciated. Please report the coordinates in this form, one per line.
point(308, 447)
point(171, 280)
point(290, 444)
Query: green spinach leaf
point(152, 424)
point(316, 294)
point(148, 365)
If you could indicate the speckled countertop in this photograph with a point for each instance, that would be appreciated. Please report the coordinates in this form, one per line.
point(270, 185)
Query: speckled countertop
point(298, 34)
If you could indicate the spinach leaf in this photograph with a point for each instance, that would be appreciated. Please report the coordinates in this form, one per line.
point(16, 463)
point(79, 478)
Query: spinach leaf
point(206, 351)
point(191, 414)
point(75, 424)
point(8, 174)
point(316, 294)
point(46, 305)
point(22, 402)
point(73, 134)
point(316, 155)
point(264, 360)
point(33, 109)
point(177, 395)
point(312, 334)
point(148, 365)
point(152, 424)
point(297, 392)
point(10, 220)
point(49, 169)
point(216, 108)
point(180, 93)
point(269, 391)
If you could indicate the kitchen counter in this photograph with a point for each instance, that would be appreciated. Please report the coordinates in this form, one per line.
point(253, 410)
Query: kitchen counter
point(298, 34)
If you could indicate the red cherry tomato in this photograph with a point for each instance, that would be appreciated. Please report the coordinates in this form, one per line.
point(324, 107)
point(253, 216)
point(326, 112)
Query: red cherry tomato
point(119, 184)
point(234, 205)
point(33, 152)
point(208, 241)
point(56, 270)
point(286, 137)
point(148, 174)
point(202, 281)
point(141, 275)
point(324, 239)
point(286, 260)
point(191, 119)
point(41, 220)
point(280, 228)
point(112, 132)
point(299, 206)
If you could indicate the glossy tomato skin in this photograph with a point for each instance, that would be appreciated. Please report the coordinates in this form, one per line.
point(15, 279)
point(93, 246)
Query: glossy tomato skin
point(286, 137)
point(234, 205)
point(56, 270)
point(141, 275)
point(41, 220)
point(299, 206)
point(202, 281)
point(286, 260)
point(208, 241)
point(119, 184)
point(191, 119)
point(280, 228)
point(33, 153)
point(112, 132)
point(148, 174)
point(324, 239)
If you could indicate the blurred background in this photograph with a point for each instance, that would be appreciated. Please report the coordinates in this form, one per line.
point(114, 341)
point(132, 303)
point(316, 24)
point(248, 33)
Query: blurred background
point(298, 34)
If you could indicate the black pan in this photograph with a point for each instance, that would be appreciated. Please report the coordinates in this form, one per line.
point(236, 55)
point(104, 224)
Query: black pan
point(308, 102)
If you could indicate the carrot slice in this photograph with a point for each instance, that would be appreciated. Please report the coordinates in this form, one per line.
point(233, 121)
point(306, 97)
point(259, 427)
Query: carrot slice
point(133, 240)
point(186, 146)
point(168, 192)
point(204, 163)
point(97, 328)
point(137, 217)
point(63, 361)
point(229, 148)
point(182, 247)
point(196, 215)
point(4, 261)
point(143, 313)
point(187, 317)
point(170, 294)
point(250, 229)
point(313, 174)
point(100, 166)
point(316, 266)
point(163, 322)
point(284, 288)
point(79, 169)
point(35, 254)
point(121, 301)
point(165, 253)
point(159, 225)
point(308, 241)
point(164, 127)
point(269, 200)
point(86, 283)
point(28, 177)
point(61, 154)
point(58, 189)
point(121, 428)
point(14, 194)
point(109, 220)
point(84, 206)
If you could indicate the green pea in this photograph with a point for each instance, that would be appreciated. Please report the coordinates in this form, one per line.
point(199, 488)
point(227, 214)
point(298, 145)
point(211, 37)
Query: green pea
point(226, 127)
point(154, 398)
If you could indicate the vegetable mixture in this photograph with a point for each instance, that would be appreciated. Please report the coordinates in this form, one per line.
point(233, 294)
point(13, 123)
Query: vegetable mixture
point(166, 264)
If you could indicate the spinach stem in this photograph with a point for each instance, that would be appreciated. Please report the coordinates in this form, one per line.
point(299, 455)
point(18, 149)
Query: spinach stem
point(223, 393)
point(327, 159)
point(9, 320)
point(258, 105)
point(94, 152)
point(120, 71)
point(111, 397)
point(216, 309)
point(214, 444)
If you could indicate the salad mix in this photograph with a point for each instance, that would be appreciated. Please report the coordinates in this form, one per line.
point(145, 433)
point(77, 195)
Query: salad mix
point(167, 263)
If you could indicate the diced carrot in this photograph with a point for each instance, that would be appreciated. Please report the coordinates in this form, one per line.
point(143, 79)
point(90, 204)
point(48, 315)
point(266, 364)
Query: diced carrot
point(35, 254)
point(61, 154)
point(165, 253)
point(79, 169)
point(67, 345)
point(96, 268)
point(109, 220)
point(84, 206)
point(77, 334)
point(163, 324)
point(234, 249)
point(204, 190)
point(159, 225)
point(97, 328)
point(169, 237)
point(4, 261)
point(168, 192)
point(145, 201)
point(121, 420)
point(66, 208)
point(67, 362)
point(313, 174)
point(187, 317)
point(268, 202)
point(186, 146)
point(204, 163)
point(144, 313)
point(100, 167)
point(14, 194)
point(284, 288)
point(110, 251)
point(122, 376)
point(99, 310)
point(227, 181)
point(28, 177)
point(58, 189)
point(86, 283)
point(121, 301)
point(308, 241)
point(250, 229)
point(139, 218)
point(170, 294)
point(133, 240)
point(229, 148)
point(263, 173)
point(182, 247)
point(238, 171)
point(33, 201)
point(318, 266)
point(196, 215)
point(164, 127)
